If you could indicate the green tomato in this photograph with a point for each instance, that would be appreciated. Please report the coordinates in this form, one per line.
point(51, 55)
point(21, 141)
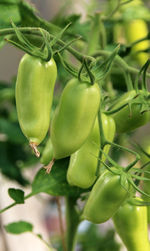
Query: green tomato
point(131, 224)
point(74, 117)
point(145, 183)
point(106, 197)
point(34, 94)
point(135, 30)
point(47, 153)
point(125, 119)
point(83, 163)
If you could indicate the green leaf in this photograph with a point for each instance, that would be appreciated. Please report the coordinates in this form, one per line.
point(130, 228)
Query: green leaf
point(9, 156)
point(9, 11)
point(55, 183)
point(30, 19)
point(17, 195)
point(9, 1)
point(12, 131)
point(19, 227)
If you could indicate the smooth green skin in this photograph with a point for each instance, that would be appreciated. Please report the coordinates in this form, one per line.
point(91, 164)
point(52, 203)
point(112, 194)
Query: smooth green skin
point(47, 153)
point(145, 183)
point(74, 117)
point(131, 224)
point(109, 128)
point(105, 198)
point(34, 95)
point(124, 122)
point(83, 163)
point(135, 30)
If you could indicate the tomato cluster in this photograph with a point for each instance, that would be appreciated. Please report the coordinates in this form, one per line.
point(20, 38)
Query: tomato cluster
point(76, 131)
point(84, 129)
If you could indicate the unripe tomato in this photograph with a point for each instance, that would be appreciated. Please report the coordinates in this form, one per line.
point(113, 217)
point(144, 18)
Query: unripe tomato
point(106, 197)
point(131, 224)
point(127, 120)
point(34, 94)
point(74, 117)
point(145, 183)
point(83, 163)
point(47, 153)
point(135, 30)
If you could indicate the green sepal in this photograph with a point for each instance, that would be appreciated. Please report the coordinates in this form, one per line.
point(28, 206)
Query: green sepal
point(101, 70)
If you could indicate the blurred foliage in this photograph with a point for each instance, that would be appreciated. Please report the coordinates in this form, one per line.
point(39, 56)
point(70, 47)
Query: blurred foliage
point(14, 154)
point(94, 240)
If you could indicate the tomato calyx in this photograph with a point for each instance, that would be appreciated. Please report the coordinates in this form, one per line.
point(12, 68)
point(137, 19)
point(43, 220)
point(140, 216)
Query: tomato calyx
point(128, 173)
point(142, 99)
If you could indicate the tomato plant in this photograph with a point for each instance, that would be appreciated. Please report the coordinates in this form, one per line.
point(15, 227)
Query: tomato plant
point(79, 98)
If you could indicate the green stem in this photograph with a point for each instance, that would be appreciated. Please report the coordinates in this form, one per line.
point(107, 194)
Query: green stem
point(102, 141)
point(37, 32)
point(128, 81)
point(110, 112)
point(128, 150)
point(109, 88)
point(115, 8)
point(49, 246)
point(94, 35)
point(103, 36)
point(13, 204)
point(119, 61)
point(72, 222)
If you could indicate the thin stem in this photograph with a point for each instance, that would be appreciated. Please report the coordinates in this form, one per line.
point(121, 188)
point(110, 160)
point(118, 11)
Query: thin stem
point(140, 40)
point(79, 56)
point(128, 150)
point(45, 242)
point(13, 204)
point(115, 10)
point(102, 141)
point(3, 237)
point(37, 32)
point(103, 37)
point(61, 223)
point(128, 81)
point(115, 110)
point(91, 76)
point(119, 61)
point(72, 222)
point(110, 88)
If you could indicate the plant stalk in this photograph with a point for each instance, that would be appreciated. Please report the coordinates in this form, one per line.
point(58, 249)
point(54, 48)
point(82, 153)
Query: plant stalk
point(72, 222)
